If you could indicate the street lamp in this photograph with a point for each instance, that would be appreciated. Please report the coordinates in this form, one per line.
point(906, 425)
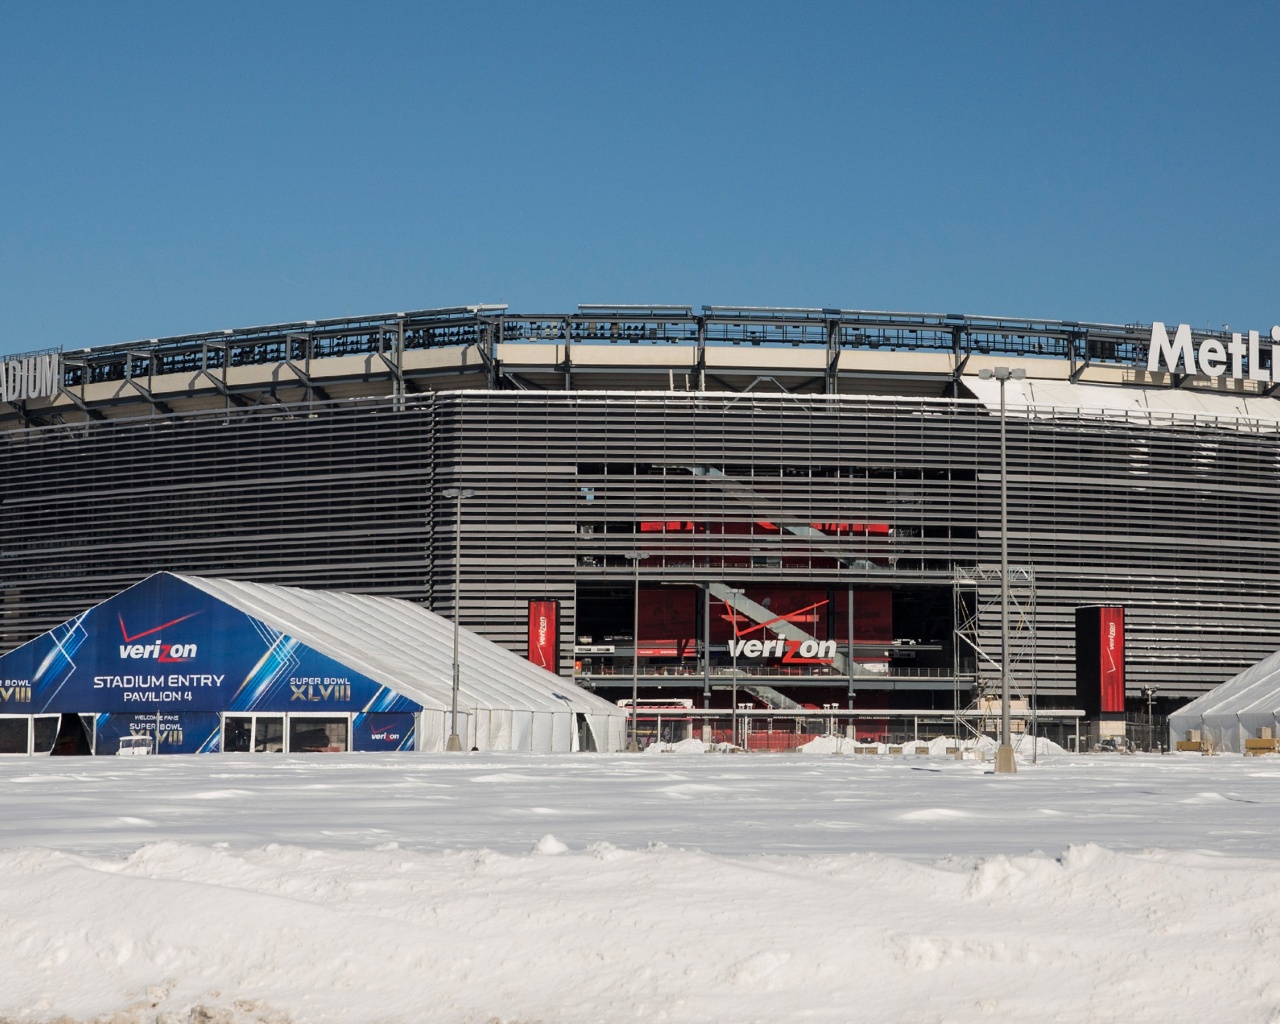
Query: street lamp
point(706, 665)
point(734, 593)
point(635, 558)
point(1149, 694)
point(459, 494)
point(1004, 755)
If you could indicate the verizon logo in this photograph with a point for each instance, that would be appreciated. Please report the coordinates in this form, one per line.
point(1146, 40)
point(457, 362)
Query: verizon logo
point(159, 652)
point(155, 651)
point(794, 652)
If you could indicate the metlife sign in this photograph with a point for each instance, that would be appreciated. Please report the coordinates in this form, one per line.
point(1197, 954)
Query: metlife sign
point(1239, 358)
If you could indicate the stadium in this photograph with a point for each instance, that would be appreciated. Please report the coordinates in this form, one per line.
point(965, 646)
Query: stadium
point(763, 508)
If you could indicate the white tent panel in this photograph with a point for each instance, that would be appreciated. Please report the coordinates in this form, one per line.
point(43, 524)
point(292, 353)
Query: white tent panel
point(1237, 710)
point(522, 730)
point(500, 729)
point(543, 730)
point(480, 739)
point(432, 731)
point(564, 734)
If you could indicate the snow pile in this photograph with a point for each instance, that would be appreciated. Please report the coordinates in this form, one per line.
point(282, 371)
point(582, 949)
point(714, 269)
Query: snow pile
point(941, 746)
point(579, 888)
point(689, 746)
point(1024, 746)
point(837, 744)
point(600, 933)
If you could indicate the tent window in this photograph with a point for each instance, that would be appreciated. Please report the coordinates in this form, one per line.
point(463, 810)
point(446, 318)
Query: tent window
point(237, 731)
point(46, 732)
point(317, 735)
point(13, 735)
point(268, 735)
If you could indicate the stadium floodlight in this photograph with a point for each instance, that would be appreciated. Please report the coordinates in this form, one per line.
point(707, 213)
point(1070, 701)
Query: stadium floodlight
point(1004, 754)
point(459, 494)
point(635, 558)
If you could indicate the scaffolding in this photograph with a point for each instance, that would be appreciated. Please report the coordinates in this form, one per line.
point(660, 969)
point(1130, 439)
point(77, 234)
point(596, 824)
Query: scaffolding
point(975, 600)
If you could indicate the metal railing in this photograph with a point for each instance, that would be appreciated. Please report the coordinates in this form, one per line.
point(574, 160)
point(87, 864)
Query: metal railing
point(867, 731)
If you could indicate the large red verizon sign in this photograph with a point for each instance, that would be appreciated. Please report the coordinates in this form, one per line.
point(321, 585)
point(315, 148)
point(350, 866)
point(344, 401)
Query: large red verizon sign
point(669, 619)
point(1100, 659)
point(544, 634)
point(1111, 660)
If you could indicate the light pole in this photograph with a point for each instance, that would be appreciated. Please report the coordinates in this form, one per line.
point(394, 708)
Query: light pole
point(635, 557)
point(1149, 692)
point(459, 494)
point(1004, 755)
point(734, 594)
point(706, 665)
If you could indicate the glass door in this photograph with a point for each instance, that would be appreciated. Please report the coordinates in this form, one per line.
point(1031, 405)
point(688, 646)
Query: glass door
point(319, 735)
point(237, 734)
point(268, 734)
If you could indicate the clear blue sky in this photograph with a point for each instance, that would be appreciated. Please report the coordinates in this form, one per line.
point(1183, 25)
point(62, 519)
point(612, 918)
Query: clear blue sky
point(168, 168)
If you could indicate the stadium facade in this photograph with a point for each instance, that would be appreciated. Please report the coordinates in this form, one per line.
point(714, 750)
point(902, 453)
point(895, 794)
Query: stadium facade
point(771, 483)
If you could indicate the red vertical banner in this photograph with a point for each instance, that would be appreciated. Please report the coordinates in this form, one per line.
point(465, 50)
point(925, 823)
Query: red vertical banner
point(544, 634)
point(1111, 659)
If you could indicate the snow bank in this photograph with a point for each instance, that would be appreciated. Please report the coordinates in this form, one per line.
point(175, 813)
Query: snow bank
point(601, 933)
point(689, 746)
point(941, 746)
point(1024, 746)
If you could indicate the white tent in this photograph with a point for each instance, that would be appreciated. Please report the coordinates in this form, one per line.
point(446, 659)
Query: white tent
point(504, 701)
point(1235, 711)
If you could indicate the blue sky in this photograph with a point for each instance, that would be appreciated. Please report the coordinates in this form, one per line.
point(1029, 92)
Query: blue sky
point(168, 168)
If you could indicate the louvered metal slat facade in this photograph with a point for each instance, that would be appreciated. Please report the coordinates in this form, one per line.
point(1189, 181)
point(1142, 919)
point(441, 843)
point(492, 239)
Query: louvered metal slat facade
point(1176, 521)
point(337, 498)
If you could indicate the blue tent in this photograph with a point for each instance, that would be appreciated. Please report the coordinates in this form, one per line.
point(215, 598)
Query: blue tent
point(210, 664)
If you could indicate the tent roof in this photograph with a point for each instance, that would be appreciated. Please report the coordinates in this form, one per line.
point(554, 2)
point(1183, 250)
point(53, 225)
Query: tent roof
point(405, 647)
point(1255, 690)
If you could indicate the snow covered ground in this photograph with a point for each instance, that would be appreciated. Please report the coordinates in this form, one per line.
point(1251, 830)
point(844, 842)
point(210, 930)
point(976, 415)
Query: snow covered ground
point(668, 886)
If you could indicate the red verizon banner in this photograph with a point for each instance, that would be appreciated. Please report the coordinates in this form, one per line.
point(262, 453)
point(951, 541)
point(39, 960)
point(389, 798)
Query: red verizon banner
point(760, 526)
point(544, 634)
point(1111, 659)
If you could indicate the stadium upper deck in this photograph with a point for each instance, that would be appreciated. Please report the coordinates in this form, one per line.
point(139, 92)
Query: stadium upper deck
point(720, 348)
